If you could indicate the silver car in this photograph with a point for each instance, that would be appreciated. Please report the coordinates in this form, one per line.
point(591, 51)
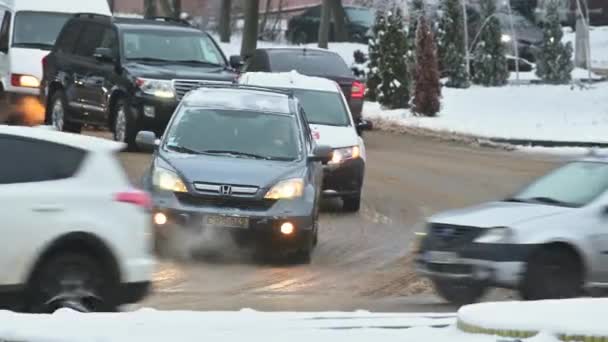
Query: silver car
point(548, 241)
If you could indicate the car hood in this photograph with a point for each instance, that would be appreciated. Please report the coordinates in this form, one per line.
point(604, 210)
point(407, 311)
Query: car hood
point(335, 136)
point(179, 71)
point(27, 61)
point(230, 170)
point(498, 214)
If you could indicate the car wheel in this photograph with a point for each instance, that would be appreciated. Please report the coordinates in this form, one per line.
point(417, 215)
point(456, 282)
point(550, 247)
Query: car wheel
point(59, 115)
point(352, 204)
point(71, 280)
point(124, 128)
point(553, 273)
point(459, 292)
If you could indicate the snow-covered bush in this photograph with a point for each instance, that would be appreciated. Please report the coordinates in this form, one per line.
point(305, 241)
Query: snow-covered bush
point(489, 60)
point(451, 44)
point(554, 63)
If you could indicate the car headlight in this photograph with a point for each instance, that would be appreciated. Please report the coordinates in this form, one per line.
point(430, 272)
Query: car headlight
point(505, 38)
point(496, 235)
point(164, 179)
point(342, 154)
point(287, 189)
point(158, 88)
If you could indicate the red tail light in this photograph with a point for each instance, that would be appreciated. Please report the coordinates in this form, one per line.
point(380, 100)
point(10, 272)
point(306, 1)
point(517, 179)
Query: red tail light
point(26, 81)
point(358, 90)
point(136, 197)
point(45, 62)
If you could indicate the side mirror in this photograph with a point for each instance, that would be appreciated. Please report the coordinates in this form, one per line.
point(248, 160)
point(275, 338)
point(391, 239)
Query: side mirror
point(322, 153)
point(104, 55)
point(146, 141)
point(364, 125)
point(236, 62)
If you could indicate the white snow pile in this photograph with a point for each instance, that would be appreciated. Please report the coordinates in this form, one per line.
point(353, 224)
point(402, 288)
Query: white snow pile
point(528, 112)
point(553, 317)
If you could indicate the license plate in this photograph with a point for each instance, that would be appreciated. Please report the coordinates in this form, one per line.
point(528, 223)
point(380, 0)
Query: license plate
point(227, 221)
point(436, 257)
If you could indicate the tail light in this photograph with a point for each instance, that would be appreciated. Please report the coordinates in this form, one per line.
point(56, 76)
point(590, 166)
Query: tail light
point(26, 81)
point(357, 91)
point(136, 197)
point(45, 62)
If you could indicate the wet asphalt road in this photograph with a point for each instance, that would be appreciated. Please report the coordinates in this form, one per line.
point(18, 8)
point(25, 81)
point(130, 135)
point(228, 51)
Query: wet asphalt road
point(362, 260)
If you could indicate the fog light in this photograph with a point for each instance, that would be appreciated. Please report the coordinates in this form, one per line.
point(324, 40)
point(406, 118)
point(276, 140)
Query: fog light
point(149, 111)
point(287, 228)
point(160, 219)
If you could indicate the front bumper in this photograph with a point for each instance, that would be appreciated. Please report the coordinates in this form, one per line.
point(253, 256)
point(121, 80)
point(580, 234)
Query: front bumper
point(343, 179)
point(153, 113)
point(501, 265)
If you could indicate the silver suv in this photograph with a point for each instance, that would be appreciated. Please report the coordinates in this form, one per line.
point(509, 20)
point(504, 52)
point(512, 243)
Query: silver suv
point(548, 241)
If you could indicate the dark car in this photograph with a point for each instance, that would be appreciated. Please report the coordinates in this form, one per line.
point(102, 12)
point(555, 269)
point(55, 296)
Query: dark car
point(304, 28)
point(310, 62)
point(126, 74)
point(239, 160)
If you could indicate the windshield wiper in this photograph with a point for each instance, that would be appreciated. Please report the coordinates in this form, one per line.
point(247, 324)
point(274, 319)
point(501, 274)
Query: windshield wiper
point(236, 153)
point(194, 61)
point(549, 200)
point(42, 46)
point(149, 59)
point(327, 124)
point(182, 149)
point(515, 200)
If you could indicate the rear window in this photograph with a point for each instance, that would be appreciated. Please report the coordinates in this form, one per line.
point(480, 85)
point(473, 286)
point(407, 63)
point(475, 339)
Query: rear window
point(310, 63)
point(323, 108)
point(37, 161)
point(38, 29)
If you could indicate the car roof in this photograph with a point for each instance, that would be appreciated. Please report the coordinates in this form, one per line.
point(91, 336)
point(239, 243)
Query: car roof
point(289, 80)
point(62, 6)
point(240, 98)
point(49, 134)
point(141, 23)
point(303, 50)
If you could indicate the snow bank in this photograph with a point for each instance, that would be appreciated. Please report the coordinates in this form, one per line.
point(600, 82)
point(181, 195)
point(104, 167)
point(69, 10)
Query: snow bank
point(530, 112)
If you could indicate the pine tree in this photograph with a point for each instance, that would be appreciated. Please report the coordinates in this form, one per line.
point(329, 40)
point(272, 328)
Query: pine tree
point(416, 9)
point(554, 63)
point(427, 87)
point(375, 55)
point(489, 59)
point(394, 88)
point(451, 44)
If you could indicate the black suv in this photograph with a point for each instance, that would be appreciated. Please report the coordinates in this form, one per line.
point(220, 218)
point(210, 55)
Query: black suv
point(237, 160)
point(126, 74)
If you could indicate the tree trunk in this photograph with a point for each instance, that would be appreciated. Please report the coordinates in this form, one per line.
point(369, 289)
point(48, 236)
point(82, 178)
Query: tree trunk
point(580, 43)
point(224, 24)
point(177, 8)
point(166, 8)
point(250, 31)
point(339, 16)
point(324, 26)
point(149, 8)
point(265, 18)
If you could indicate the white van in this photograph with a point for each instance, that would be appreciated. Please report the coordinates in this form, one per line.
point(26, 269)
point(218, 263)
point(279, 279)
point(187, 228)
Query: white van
point(331, 124)
point(28, 31)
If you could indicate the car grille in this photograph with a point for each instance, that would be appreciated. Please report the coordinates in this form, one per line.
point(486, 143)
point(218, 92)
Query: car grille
point(233, 202)
point(182, 87)
point(234, 190)
point(452, 235)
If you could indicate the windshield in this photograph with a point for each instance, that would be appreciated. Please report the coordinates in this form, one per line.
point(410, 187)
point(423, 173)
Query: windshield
point(323, 108)
point(38, 29)
point(237, 133)
point(360, 15)
point(575, 184)
point(309, 63)
point(172, 46)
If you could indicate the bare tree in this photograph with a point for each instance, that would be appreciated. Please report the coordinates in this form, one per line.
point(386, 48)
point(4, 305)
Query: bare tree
point(177, 8)
point(267, 10)
point(324, 26)
point(149, 8)
point(339, 15)
point(224, 22)
point(250, 31)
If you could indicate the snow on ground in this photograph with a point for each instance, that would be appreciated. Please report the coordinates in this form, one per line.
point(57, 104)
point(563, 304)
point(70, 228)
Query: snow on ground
point(599, 45)
point(567, 152)
point(530, 112)
point(577, 74)
point(572, 317)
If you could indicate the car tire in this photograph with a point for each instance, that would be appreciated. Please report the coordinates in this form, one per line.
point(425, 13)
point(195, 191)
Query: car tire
point(124, 124)
point(59, 114)
point(553, 273)
point(351, 204)
point(459, 292)
point(73, 280)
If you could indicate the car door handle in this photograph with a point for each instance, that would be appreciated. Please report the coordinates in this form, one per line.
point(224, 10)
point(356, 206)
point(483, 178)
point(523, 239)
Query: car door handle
point(50, 208)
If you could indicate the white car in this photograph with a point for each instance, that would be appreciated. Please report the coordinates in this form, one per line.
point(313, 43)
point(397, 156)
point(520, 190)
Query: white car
point(332, 124)
point(28, 30)
point(73, 228)
point(548, 241)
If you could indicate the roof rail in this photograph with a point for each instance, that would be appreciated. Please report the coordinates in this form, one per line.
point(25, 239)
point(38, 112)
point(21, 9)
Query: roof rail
point(288, 92)
point(91, 15)
point(169, 20)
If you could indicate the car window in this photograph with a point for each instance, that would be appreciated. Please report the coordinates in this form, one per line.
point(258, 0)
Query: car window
point(4, 31)
point(210, 131)
point(575, 184)
point(359, 15)
point(109, 40)
point(171, 46)
point(37, 161)
point(323, 108)
point(89, 40)
point(309, 63)
point(256, 63)
point(68, 37)
point(38, 29)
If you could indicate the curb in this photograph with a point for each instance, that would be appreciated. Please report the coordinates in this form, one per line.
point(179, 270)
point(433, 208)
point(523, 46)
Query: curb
point(523, 334)
point(548, 143)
